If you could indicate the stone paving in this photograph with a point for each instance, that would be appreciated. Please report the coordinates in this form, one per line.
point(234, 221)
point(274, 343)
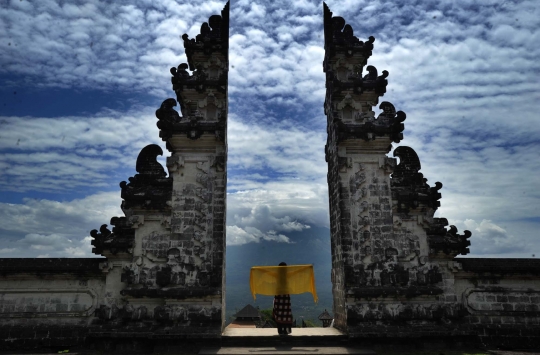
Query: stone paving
point(297, 350)
point(272, 332)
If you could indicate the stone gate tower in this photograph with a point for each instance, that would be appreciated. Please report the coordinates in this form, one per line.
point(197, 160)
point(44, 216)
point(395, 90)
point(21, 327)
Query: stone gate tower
point(167, 255)
point(392, 261)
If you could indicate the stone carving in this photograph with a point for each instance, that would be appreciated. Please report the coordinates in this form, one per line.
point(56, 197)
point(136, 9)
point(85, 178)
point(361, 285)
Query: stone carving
point(390, 273)
point(388, 124)
point(44, 303)
point(410, 190)
point(372, 81)
point(156, 243)
point(358, 84)
point(218, 162)
point(119, 240)
point(169, 246)
point(135, 221)
point(131, 312)
point(203, 94)
point(193, 291)
point(342, 74)
point(166, 114)
point(391, 121)
point(127, 312)
point(339, 34)
point(167, 117)
point(175, 162)
point(494, 301)
point(385, 312)
point(194, 126)
point(213, 37)
point(199, 82)
point(147, 164)
point(450, 243)
point(150, 188)
point(179, 76)
point(185, 313)
point(180, 270)
point(108, 312)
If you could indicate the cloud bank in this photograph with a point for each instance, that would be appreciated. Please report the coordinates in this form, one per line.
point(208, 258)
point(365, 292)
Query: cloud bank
point(466, 75)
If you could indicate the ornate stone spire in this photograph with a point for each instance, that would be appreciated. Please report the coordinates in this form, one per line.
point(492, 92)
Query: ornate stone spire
point(201, 94)
point(170, 247)
point(385, 241)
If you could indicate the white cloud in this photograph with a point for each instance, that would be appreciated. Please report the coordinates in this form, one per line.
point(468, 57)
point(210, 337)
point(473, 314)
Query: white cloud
point(259, 223)
point(282, 207)
point(108, 43)
point(466, 74)
point(490, 239)
point(68, 153)
point(239, 236)
point(60, 229)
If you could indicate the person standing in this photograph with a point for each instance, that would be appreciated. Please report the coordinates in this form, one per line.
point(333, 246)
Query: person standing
point(282, 309)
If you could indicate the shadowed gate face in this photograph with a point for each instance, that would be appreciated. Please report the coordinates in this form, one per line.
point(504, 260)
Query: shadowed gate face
point(169, 249)
point(393, 266)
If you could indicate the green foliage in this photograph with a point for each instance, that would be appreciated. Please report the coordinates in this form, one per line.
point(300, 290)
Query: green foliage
point(309, 323)
point(267, 316)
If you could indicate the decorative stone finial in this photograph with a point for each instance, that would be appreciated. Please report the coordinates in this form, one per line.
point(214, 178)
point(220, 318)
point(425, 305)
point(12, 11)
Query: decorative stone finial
point(150, 189)
point(119, 240)
point(214, 36)
point(410, 189)
point(147, 163)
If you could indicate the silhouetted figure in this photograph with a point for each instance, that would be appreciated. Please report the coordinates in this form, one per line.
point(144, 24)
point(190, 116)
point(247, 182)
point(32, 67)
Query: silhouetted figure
point(282, 308)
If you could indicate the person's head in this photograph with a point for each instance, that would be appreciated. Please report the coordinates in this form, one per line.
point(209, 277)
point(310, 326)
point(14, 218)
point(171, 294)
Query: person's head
point(282, 264)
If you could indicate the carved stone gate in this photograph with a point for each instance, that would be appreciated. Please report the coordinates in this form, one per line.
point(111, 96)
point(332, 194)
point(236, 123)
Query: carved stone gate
point(394, 271)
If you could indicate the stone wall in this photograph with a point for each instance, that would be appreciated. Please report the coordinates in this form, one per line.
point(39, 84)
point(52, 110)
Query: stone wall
point(48, 302)
point(502, 299)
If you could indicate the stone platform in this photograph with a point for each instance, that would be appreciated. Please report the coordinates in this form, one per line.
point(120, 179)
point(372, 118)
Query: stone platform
point(301, 341)
point(284, 350)
point(231, 333)
point(268, 337)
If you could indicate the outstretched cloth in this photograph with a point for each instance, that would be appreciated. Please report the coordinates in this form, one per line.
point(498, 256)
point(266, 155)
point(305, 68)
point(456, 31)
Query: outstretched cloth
point(282, 280)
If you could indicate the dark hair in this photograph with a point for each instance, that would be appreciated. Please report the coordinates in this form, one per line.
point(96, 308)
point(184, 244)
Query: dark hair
point(282, 264)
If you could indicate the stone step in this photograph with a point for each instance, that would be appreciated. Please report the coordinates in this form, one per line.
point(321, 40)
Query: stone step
point(287, 350)
point(268, 337)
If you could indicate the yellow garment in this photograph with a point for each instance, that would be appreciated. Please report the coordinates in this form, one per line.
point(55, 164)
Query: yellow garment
point(282, 280)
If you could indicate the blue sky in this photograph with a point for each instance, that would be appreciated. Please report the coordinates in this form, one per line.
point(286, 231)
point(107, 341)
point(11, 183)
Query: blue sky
point(81, 81)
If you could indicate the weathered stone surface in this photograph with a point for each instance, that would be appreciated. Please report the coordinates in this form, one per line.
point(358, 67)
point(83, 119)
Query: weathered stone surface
point(150, 189)
point(393, 269)
point(501, 267)
point(13, 266)
point(410, 189)
point(394, 274)
point(370, 293)
point(367, 250)
point(502, 300)
point(173, 293)
point(119, 240)
point(163, 276)
point(214, 122)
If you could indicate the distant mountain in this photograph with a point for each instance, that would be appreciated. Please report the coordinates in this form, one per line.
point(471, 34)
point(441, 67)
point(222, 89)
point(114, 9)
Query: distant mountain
point(310, 246)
